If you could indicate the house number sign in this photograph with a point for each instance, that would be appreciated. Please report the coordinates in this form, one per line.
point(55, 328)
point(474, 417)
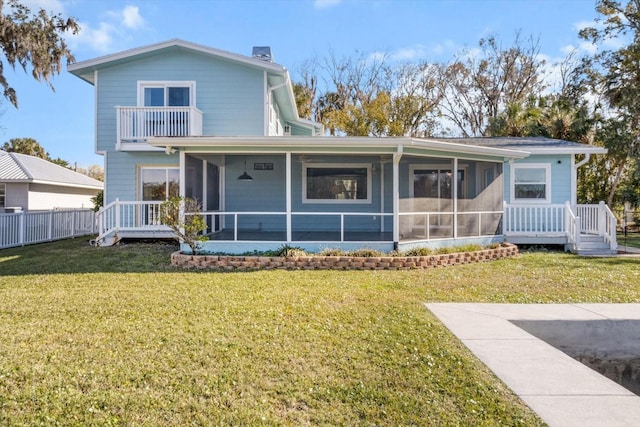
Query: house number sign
point(263, 166)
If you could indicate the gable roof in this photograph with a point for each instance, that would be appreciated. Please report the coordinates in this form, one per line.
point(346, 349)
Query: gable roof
point(85, 69)
point(16, 167)
point(531, 144)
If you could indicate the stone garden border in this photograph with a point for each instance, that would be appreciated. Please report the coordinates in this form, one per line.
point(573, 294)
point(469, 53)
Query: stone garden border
point(316, 262)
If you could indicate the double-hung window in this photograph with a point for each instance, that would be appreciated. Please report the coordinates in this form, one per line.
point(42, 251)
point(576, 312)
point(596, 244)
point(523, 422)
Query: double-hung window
point(336, 183)
point(531, 183)
point(3, 194)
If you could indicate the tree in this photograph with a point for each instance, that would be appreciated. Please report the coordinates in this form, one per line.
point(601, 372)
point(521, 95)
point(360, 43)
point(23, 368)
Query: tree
point(616, 74)
point(33, 40)
point(479, 87)
point(182, 216)
point(366, 96)
point(27, 146)
point(93, 171)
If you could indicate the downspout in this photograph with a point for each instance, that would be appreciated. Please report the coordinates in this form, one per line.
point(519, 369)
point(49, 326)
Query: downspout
point(574, 179)
point(268, 103)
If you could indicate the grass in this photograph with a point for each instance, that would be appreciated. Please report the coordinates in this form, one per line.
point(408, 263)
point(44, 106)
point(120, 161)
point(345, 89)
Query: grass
point(631, 239)
point(115, 336)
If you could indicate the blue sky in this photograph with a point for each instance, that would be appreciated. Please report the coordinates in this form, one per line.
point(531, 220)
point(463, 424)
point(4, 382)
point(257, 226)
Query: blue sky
point(297, 30)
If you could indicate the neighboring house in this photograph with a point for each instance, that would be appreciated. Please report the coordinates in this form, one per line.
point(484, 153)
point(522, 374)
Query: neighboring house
point(29, 183)
point(177, 118)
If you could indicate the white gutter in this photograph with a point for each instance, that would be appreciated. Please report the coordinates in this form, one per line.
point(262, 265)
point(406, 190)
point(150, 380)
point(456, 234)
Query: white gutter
point(583, 161)
point(333, 142)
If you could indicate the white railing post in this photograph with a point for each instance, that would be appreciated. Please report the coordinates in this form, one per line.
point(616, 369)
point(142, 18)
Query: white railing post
point(50, 234)
point(614, 238)
point(601, 219)
point(341, 228)
point(21, 227)
point(235, 227)
point(116, 225)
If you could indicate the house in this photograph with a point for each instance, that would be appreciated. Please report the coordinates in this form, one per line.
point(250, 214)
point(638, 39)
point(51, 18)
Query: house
point(30, 183)
point(178, 118)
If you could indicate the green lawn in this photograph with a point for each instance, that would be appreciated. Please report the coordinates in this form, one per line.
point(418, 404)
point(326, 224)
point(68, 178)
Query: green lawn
point(115, 336)
point(631, 239)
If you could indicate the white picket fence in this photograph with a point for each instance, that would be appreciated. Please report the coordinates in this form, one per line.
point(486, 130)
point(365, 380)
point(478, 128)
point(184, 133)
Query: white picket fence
point(25, 228)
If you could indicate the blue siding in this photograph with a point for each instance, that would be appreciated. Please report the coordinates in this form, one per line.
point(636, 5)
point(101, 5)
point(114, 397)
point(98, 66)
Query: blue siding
point(230, 96)
point(121, 179)
point(266, 193)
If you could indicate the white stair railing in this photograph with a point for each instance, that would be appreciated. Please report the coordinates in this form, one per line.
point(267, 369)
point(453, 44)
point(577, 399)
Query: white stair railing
point(573, 228)
point(607, 224)
point(120, 216)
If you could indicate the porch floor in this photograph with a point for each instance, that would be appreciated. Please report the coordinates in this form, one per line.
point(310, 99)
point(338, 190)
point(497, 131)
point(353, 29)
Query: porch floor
point(302, 236)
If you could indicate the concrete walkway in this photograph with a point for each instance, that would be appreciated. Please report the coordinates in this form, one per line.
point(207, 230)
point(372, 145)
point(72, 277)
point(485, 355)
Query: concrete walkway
point(561, 390)
point(628, 250)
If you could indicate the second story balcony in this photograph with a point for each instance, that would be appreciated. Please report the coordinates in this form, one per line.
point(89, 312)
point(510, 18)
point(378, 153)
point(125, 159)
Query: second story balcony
point(136, 124)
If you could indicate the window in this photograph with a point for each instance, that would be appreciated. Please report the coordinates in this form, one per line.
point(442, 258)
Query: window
point(433, 181)
point(336, 183)
point(166, 94)
point(531, 183)
point(3, 194)
point(157, 184)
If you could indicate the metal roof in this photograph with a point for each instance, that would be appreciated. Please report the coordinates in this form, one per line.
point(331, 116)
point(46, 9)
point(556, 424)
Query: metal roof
point(16, 167)
point(531, 144)
point(328, 144)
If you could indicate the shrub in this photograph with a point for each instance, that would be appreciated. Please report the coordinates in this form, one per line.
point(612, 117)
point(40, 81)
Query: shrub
point(331, 252)
point(288, 251)
point(421, 251)
point(181, 215)
point(365, 253)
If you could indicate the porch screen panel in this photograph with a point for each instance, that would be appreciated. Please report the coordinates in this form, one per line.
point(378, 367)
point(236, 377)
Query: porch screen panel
point(480, 198)
point(194, 178)
point(428, 212)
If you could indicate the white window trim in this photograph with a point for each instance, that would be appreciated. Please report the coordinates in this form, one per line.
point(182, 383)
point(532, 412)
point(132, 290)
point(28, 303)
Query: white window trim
point(139, 178)
point(191, 84)
point(4, 194)
point(512, 183)
point(305, 166)
point(417, 166)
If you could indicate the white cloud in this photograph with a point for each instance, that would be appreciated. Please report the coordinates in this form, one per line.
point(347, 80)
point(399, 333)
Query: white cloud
point(580, 25)
point(409, 53)
point(132, 18)
point(324, 4)
point(98, 39)
point(115, 25)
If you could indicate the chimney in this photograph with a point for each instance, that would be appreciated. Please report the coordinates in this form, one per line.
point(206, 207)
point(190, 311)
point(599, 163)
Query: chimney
point(262, 52)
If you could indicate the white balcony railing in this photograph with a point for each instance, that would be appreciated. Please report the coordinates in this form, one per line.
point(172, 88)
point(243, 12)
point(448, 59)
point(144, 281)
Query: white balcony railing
point(136, 124)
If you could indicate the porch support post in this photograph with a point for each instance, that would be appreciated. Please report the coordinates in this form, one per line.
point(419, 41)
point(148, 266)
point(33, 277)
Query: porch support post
point(288, 194)
point(382, 217)
point(182, 184)
point(396, 195)
point(454, 193)
point(182, 163)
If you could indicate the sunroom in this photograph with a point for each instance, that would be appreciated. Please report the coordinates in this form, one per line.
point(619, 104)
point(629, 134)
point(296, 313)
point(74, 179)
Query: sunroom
point(349, 193)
